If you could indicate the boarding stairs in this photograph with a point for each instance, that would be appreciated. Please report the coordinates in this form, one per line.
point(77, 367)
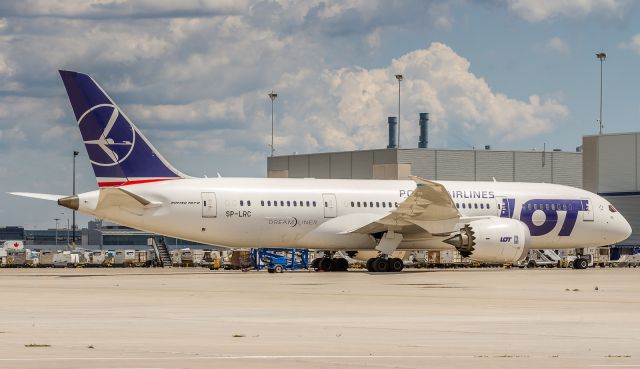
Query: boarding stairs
point(548, 258)
point(162, 251)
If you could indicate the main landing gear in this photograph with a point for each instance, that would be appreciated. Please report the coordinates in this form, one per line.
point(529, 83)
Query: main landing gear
point(328, 263)
point(383, 264)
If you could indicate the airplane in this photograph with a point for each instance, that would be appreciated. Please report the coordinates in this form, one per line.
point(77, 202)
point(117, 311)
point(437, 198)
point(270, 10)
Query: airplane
point(495, 222)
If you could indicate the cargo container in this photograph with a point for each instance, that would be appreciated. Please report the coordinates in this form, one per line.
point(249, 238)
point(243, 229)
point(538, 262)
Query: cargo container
point(46, 258)
point(124, 258)
point(97, 258)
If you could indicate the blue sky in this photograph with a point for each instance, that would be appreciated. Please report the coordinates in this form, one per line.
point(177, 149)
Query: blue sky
point(194, 76)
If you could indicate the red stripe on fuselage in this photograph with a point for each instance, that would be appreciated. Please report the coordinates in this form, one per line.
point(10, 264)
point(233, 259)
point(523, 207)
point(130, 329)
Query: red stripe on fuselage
point(137, 181)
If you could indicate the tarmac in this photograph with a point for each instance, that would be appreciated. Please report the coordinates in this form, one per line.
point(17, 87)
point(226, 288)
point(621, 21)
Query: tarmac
point(194, 318)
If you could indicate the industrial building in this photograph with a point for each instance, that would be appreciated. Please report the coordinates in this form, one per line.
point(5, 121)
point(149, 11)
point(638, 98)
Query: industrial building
point(612, 169)
point(437, 164)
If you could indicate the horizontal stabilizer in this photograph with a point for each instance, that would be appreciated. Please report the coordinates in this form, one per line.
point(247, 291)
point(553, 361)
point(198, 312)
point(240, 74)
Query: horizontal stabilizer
point(41, 196)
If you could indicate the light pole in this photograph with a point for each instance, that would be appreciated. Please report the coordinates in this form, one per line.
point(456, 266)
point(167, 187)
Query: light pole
point(75, 154)
point(272, 96)
point(56, 219)
point(62, 217)
point(602, 56)
point(399, 77)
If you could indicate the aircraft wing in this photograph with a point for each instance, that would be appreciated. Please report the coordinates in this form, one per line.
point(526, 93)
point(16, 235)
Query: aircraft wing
point(428, 209)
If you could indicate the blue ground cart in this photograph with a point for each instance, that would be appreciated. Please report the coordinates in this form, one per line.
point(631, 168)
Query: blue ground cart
point(277, 260)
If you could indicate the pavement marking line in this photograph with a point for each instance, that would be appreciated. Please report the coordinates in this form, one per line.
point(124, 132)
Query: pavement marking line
point(617, 365)
point(246, 357)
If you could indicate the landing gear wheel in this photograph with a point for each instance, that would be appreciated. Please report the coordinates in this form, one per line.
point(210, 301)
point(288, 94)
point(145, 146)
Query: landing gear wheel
point(396, 265)
point(325, 264)
point(581, 263)
point(531, 264)
point(380, 265)
point(340, 265)
point(370, 264)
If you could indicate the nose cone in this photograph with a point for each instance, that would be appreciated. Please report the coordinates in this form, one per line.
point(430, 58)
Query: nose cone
point(621, 230)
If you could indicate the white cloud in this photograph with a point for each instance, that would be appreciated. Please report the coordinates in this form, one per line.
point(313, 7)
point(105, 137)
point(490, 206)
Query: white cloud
point(558, 45)
point(198, 83)
point(540, 10)
point(633, 44)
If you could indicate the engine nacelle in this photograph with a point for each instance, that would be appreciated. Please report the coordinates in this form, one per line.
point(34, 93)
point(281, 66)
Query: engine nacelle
point(492, 240)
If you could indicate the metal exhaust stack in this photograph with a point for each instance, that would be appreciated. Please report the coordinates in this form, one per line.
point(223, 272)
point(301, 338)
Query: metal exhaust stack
point(393, 122)
point(71, 202)
point(424, 131)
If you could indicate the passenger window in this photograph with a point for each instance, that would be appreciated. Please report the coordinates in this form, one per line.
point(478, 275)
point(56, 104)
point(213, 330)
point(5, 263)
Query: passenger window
point(307, 203)
point(269, 203)
point(481, 206)
point(377, 204)
point(469, 204)
point(475, 205)
point(296, 204)
point(241, 203)
point(248, 202)
point(488, 207)
point(352, 204)
point(464, 206)
point(288, 203)
point(396, 204)
point(314, 204)
point(326, 205)
point(384, 205)
point(358, 203)
point(261, 202)
point(275, 203)
point(301, 203)
point(364, 203)
point(457, 205)
point(370, 204)
point(553, 206)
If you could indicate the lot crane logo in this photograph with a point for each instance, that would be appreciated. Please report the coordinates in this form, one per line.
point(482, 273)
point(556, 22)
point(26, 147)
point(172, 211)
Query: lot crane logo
point(107, 134)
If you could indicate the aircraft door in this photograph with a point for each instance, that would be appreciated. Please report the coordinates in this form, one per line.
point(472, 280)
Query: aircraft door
point(209, 206)
point(587, 211)
point(330, 205)
point(505, 206)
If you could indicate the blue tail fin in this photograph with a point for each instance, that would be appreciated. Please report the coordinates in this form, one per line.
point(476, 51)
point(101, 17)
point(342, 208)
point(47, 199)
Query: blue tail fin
point(118, 151)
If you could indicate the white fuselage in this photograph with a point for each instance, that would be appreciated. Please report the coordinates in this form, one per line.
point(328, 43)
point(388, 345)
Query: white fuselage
point(320, 213)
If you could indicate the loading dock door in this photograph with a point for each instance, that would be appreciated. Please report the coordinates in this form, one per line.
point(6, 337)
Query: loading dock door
point(330, 205)
point(209, 208)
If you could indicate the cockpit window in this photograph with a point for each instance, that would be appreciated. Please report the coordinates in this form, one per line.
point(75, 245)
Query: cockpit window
point(612, 209)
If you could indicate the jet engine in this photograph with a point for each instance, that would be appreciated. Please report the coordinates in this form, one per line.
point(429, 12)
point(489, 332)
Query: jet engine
point(492, 240)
